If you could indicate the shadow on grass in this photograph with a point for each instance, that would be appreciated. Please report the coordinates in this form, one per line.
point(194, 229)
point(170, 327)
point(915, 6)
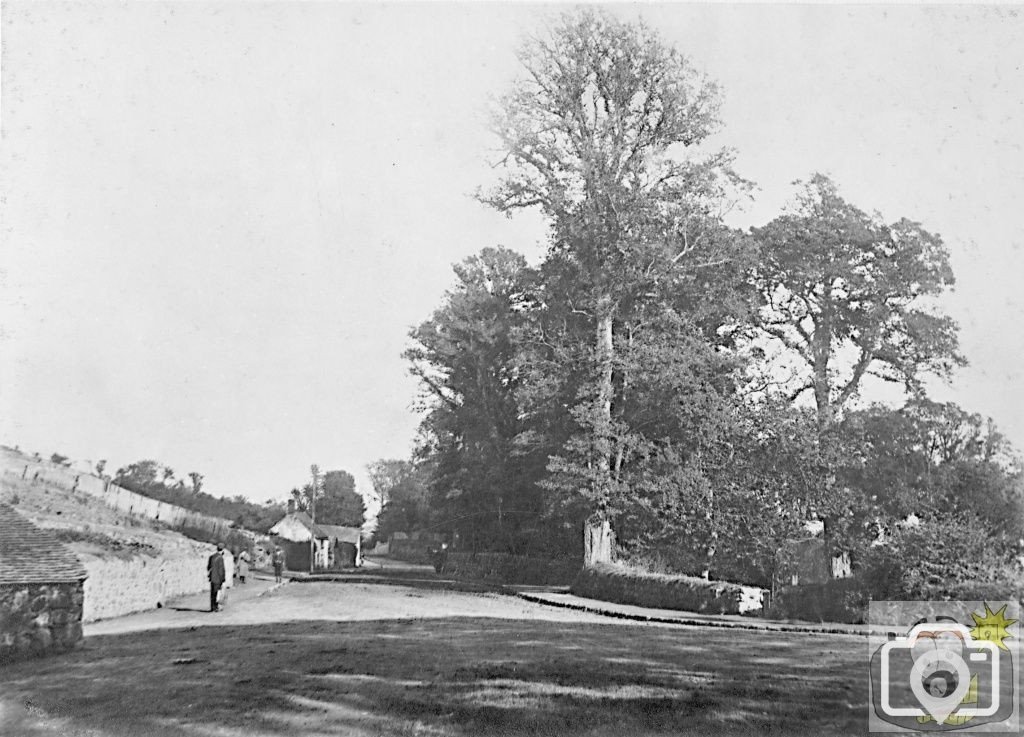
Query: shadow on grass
point(454, 676)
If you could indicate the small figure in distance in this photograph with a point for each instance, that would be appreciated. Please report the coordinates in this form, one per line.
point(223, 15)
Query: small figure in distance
point(278, 560)
point(439, 556)
point(216, 573)
point(243, 565)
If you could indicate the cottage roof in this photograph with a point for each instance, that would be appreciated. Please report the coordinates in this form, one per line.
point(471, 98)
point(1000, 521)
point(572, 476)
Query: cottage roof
point(341, 533)
point(29, 554)
point(286, 527)
point(295, 526)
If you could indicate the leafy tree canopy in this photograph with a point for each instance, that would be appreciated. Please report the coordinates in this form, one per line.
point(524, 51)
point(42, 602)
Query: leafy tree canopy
point(851, 296)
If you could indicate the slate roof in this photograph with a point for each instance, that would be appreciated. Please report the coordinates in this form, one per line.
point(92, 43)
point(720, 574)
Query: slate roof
point(342, 533)
point(29, 554)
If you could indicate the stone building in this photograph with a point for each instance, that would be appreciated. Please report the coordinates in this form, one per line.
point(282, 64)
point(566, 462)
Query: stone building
point(41, 590)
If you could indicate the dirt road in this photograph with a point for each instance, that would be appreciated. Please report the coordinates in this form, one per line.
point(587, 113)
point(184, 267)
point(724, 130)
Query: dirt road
point(338, 659)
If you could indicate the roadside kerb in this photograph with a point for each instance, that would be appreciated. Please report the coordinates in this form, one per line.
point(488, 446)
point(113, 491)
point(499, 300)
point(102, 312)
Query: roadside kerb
point(688, 619)
point(564, 600)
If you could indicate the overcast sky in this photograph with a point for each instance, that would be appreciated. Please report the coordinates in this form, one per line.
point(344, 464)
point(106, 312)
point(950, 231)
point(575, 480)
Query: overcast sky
point(220, 220)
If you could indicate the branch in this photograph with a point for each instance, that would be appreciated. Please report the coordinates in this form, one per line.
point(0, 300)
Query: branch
point(802, 350)
point(437, 389)
point(709, 264)
point(866, 357)
point(806, 387)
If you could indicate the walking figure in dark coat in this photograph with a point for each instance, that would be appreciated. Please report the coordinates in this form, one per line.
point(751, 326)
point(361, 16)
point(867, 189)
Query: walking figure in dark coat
point(215, 570)
point(278, 560)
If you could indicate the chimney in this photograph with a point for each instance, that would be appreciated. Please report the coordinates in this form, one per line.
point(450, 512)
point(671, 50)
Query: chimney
point(291, 506)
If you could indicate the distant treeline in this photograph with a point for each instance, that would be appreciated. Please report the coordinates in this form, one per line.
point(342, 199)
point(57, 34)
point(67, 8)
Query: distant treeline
point(153, 479)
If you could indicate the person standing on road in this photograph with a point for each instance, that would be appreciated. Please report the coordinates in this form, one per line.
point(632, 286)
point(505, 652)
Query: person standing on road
point(278, 561)
point(216, 573)
point(243, 565)
point(229, 576)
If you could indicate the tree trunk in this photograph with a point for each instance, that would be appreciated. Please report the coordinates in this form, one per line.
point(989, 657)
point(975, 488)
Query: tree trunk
point(822, 351)
point(598, 542)
point(712, 548)
point(603, 424)
point(605, 390)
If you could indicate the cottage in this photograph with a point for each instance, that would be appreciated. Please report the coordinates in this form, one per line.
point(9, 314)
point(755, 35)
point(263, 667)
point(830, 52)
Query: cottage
point(41, 590)
point(309, 546)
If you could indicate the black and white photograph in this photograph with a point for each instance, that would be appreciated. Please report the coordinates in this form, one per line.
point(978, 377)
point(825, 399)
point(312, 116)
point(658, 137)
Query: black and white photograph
point(471, 369)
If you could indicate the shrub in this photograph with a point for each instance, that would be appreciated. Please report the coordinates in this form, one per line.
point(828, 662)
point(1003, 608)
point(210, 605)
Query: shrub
point(940, 559)
point(839, 600)
point(511, 569)
point(69, 535)
point(624, 585)
point(949, 558)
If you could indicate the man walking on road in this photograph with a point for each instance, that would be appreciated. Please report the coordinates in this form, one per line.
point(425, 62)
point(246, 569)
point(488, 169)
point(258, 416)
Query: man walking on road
point(278, 561)
point(215, 571)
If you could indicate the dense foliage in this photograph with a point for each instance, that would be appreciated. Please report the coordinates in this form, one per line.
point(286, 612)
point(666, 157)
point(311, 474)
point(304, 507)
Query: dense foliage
point(697, 386)
point(333, 500)
point(401, 490)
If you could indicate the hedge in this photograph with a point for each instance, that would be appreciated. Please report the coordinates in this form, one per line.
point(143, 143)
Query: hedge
point(510, 569)
point(413, 549)
point(847, 599)
point(665, 591)
point(837, 600)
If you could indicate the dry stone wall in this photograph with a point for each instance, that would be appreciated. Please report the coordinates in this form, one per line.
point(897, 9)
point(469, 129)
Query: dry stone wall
point(36, 619)
point(119, 586)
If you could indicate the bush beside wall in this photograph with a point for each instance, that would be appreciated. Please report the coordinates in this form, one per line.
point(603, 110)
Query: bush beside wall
point(666, 591)
point(511, 569)
point(836, 600)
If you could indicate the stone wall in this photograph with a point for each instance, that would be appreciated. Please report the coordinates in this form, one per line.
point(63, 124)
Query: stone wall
point(115, 496)
point(36, 619)
point(118, 586)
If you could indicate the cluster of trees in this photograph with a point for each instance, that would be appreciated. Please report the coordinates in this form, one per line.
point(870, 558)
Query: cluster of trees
point(688, 384)
point(331, 498)
point(157, 481)
point(401, 490)
point(335, 500)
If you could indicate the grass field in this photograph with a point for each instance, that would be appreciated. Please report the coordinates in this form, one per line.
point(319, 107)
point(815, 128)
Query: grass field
point(441, 676)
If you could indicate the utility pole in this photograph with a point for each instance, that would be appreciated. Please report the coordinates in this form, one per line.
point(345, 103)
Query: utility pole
point(315, 469)
point(312, 495)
